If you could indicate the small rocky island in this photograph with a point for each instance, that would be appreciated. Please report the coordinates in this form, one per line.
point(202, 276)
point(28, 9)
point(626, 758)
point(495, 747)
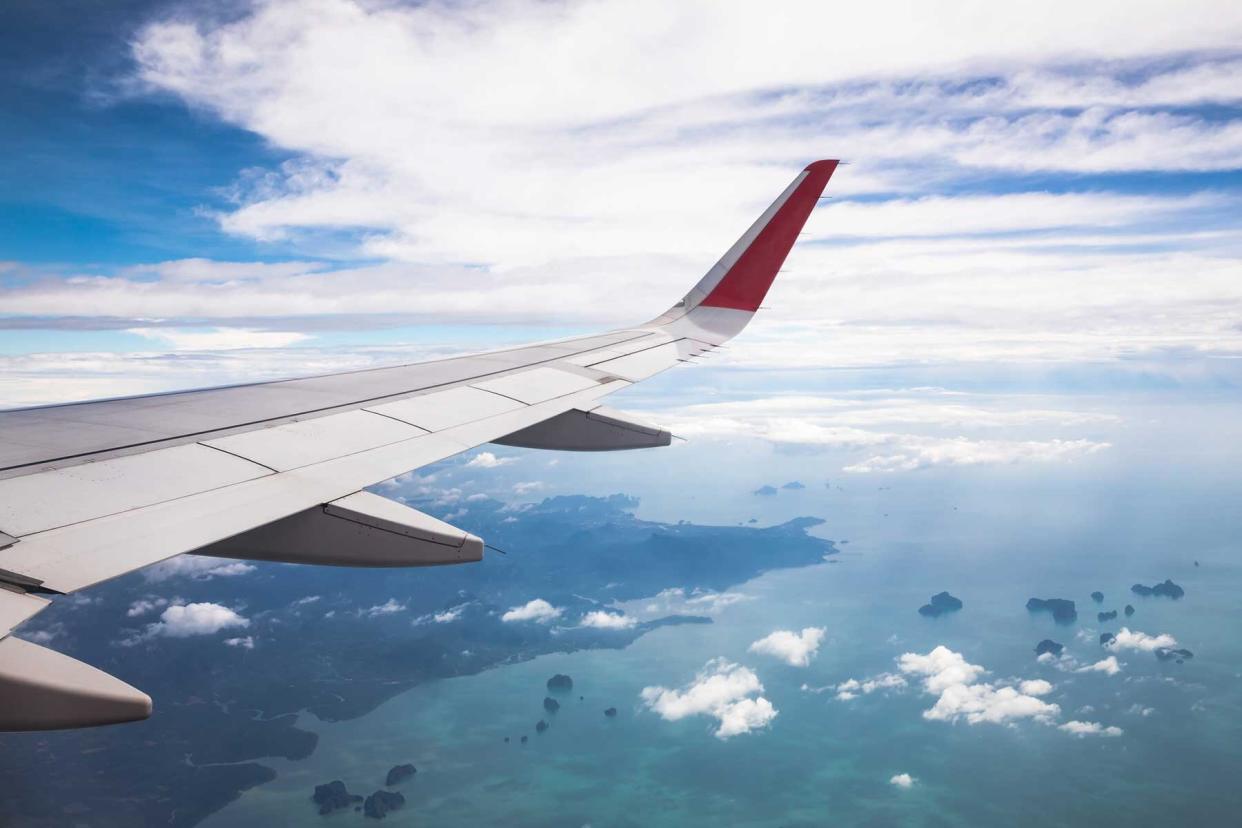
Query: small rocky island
point(941, 603)
point(1106, 616)
point(611, 712)
point(1049, 646)
point(550, 704)
point(560, 683)
point(1168, 589)
point(1062, 609)
point(541, 726)
point(1169, 654)
point(1098, 597)
point(1106, 639)
point(399, 774)
point(380, 803)
point(332, 796)
point(1129, 610)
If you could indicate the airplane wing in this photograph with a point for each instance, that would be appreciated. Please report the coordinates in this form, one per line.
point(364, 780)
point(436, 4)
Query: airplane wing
point(277, 470)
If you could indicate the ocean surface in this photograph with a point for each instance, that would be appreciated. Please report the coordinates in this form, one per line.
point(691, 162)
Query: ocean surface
point(992, 538)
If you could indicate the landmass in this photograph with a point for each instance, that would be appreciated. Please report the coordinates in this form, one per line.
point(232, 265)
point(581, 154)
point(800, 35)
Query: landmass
point(794, 485)
point(560, 683)
point(941, 603)
point(333, 796)
point(1129, 610)
point(1062, 609)
point(611, 712)
point(550, 704)
point(1167, 589)
point(1098, 597)
point(1049, 646)
point(323, 644)
point(765, 491)
point(1169, 654)
point(541, 726)
point(1106, 639)
point(1106, 616)
point(399, 774)
point(378, 804)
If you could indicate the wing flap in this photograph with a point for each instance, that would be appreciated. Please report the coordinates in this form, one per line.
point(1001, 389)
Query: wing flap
point(361, 529)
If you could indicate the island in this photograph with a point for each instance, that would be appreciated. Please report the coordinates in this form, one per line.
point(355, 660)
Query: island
point(611, 712)
point(1098, 597)
point(1169, 654)
point(1167, 589)
point(332, 796)
point(941, 603)
point(1106, 639)
point(765, 491)
point(400, 773)
point(1062, 609)
point(560, 683)
point(1129, 610)
point(550, 704)
point(541, 726)
point(1049, 646)
point(1106, 616)
point(380, 803)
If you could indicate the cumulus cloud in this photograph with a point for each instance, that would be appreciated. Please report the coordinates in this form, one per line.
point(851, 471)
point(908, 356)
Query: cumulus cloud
point(961, 695)
point(246, 643)
point(527, 487)
point(1078, 728)
point(389, 607)
point(852, 688)
point(487, 460)
point(725, 691)
point(1135, 640)
point(902, 780)
point(196, 567)
point(602, 620)
point(795, 649)
point(1108, 666)
point(145, 605)
point(185, 620)
point(537, 610)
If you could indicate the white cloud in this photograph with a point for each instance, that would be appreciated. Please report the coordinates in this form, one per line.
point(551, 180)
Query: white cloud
point(219, 339)
point(723, 690)
point(389, 607)
point(184, 620)
point(795, 649)
point(487, 460)
point(528, 487)
point(1078, 728)
point(301, 602)
point(852, 688)
point(902, 780)
point(537, 610)
point(449, 615)
point(1127, 640)
point(949, 676)
point(1108, 666)
point(197, 567)
point(246, 643)
point(145, 605)
point(608, 620)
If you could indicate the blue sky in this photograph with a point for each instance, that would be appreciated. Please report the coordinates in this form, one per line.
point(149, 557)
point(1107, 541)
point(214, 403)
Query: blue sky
point(201, 193)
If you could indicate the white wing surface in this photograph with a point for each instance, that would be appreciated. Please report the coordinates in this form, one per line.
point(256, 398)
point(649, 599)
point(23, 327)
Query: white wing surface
point(276, 470)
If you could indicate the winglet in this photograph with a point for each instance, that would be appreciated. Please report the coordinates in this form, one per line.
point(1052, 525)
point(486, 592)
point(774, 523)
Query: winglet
point(741, 279)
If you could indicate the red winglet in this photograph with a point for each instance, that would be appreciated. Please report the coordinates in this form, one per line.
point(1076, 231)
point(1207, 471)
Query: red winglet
point(747, 282)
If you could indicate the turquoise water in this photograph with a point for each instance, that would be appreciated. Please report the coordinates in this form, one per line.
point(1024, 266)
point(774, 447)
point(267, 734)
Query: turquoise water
point(994, 541)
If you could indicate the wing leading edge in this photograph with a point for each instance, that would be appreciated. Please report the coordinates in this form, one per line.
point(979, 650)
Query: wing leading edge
point(276, 471)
